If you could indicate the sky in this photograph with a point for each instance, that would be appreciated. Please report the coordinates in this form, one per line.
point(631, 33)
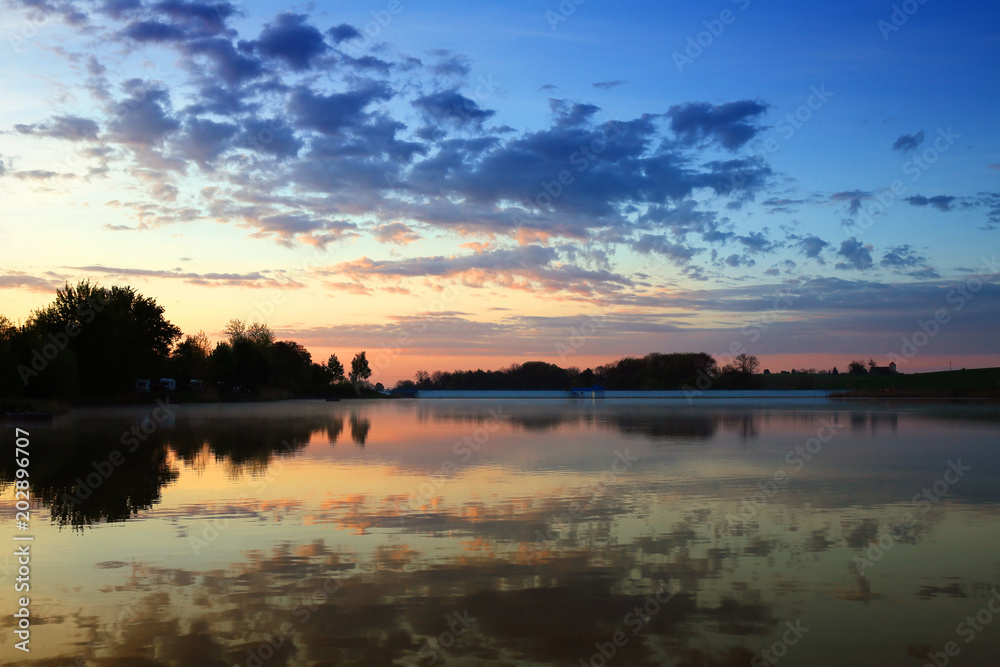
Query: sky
point(468, 185)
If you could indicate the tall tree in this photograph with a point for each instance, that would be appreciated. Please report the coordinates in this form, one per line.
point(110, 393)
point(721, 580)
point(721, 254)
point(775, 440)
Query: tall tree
point(360, 371)
point(113, 334)
point(334, 369)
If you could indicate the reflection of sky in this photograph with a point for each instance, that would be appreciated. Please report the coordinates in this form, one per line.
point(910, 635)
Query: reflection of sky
point(333, 510)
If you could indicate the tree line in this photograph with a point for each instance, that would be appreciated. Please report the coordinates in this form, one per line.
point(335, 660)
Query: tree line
point(94, 341)
point(653, 371)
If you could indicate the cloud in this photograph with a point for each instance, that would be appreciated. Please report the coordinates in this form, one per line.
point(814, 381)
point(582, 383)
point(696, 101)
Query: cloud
point(343, 33)
point(856, 255)
point(728, 124)
point(675, 252)
point(154, 31)
point(940, 202)
point(572, 115)
point(254, 279)
point(757, 242)
point(902, 257)
point(201, 17)
point(397, 233)
point(300, 227)
point(233, 67)
point(908, 142)
point(37, 175)
point(283, 148)
point(528, 267)
point(450, 64)
point(609, 85)
point(10, 279)
point(854, 199)
point(452, 107)
point(330, 114)
point(291, 39)
point(204, 140)
point(270, 136)
point(71, 128)
point(143, 118)
point(812, 246)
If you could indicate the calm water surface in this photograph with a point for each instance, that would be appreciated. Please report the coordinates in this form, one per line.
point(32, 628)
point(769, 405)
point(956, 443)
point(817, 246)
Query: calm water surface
point(500, 532)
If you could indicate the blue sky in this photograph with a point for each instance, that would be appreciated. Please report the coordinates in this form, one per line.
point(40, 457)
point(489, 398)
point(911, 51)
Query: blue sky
point(349, 171)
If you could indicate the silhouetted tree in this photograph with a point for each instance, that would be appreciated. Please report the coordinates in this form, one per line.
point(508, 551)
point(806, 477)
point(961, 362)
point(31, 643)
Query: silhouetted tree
point(857, 367)
point(334, 370)
point(111, 335)
point(360, 371)
point(746, 364)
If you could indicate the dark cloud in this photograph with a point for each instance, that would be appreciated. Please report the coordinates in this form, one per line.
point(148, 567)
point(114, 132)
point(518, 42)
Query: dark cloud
point(154, 31)
point(291, 39)
point(685, 218)
point(119, 8)
point(661, 245)
point(812, 246)
point(628, 167)
point(757, 242)
point(452, 107)
point(270, 136)
point(343, 33)
point(728, 124)
point(609, 85)
point(854, 199)
point(571, 115)
point(902, 257)
point(367, 63)
point(200, 17)
point(857, 255)
point(204, 140)
point(940, 202)
point(71, 128)
point(736, 261)
point(232, 66)
point(329, 114)
point(214, 99)
point(908, 142)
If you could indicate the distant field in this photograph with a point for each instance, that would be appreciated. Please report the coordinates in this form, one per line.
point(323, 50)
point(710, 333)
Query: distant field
point(972, 380)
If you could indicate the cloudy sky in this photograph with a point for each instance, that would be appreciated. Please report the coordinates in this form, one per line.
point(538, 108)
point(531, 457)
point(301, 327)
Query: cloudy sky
point(457, 184)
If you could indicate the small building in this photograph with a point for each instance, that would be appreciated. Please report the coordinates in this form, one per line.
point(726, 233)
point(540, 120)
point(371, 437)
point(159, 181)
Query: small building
point(142, 386)
point(167, 384)
point(196, 385)
point(883, 370)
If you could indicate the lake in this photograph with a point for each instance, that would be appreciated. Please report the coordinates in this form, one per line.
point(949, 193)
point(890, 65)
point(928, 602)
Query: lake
point(503, 531)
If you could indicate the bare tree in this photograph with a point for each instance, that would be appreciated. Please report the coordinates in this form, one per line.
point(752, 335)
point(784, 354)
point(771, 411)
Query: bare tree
point(747, 364)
